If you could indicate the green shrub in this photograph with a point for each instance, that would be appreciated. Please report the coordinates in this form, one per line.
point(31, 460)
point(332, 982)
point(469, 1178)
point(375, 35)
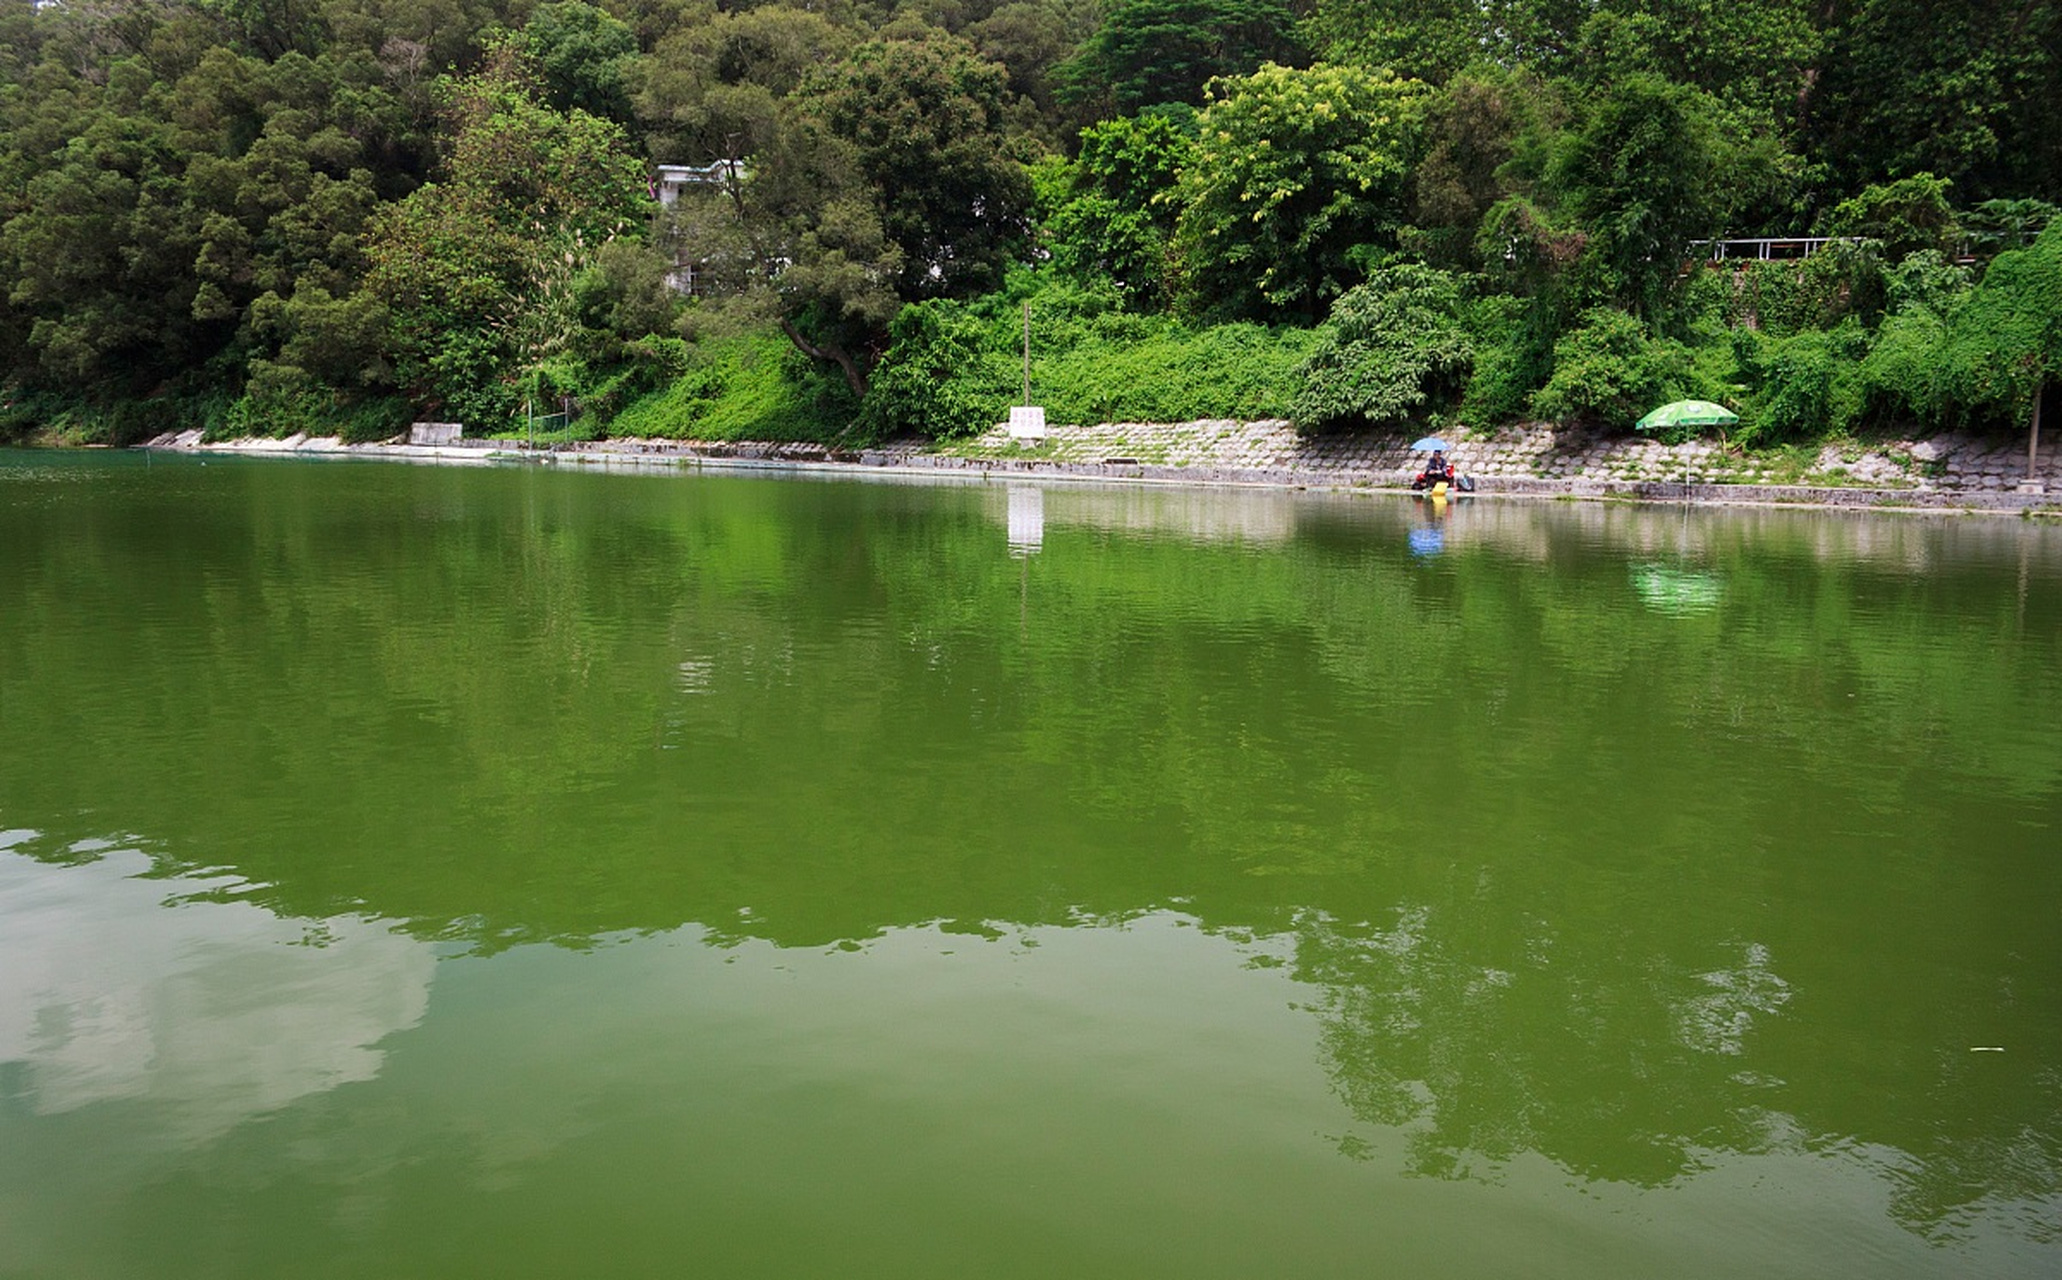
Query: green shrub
point(1176, 373)
point(1904, 216)
point(1996, 226)
point(1899, 379)
point(1815, 292)
point(2004, 341)
point(1803, 385)
point(1502, 385)
point(25, 412)
point(1926, 279)
point(935, 379)
point(282, 400)
point(756, 387)
point(1610, 371)
point(1393, 346)
point(1512, 359)
point(955, 368)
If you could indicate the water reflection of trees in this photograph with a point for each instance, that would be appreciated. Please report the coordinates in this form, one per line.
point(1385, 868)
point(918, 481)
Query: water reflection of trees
point(1484, 1058)
point(1558, 908)
point(1483, 1044)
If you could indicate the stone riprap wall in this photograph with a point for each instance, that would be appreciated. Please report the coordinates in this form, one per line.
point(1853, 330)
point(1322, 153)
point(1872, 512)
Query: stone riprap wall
point(1947, 463)
point(1943, 471)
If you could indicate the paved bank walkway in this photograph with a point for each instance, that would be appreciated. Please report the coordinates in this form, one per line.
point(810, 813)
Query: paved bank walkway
point(1941, 472)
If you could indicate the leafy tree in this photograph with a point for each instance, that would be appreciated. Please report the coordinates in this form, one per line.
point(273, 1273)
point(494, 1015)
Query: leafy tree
point(581, 54)
point(158, 211)
point(270, 28)
point(798, 242)
point(1487, 137)
point(1906, 216)
point(1428, 40)
point(1645, 173)
point(1996, 225)
point(1149, 52)
point(193, 192)
point(98, 268)
point(2004, 344)
point(1115, 217)
point(925, 121)
point(337, 342)
point(1749, 55)
point(1296, 179)
point(426, 37)
point(889, 178)
point(712, 90)
point(1964, 91)
point(476, 269)
point(1029, 41)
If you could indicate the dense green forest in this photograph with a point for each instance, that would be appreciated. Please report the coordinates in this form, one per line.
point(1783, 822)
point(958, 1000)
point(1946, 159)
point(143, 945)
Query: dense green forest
point(269, 216)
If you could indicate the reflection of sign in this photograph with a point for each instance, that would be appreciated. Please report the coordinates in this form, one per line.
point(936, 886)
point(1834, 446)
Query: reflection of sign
point(209, 1012)
point(1027, 422)
point(1027, 519)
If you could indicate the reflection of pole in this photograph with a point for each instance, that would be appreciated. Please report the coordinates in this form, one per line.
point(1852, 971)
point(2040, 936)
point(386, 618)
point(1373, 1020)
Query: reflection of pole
point(2025, 546)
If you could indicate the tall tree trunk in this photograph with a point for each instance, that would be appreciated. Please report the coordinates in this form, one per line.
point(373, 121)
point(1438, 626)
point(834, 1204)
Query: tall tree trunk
point(769, 267)
point(855, 377)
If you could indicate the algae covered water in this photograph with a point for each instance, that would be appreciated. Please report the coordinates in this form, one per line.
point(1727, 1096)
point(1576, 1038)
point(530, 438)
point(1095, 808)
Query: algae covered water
point(446, 871)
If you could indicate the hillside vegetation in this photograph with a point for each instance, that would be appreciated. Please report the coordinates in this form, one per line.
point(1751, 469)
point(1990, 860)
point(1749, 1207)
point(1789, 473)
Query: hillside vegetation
point(264, 217)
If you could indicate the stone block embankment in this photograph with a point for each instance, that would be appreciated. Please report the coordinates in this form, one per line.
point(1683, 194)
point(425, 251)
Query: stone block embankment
point(1945, 471)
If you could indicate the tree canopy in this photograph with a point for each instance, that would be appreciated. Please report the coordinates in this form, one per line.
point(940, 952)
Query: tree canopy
point(270, 216)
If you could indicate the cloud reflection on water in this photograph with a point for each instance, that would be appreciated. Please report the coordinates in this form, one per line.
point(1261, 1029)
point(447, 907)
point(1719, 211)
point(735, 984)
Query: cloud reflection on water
point(211, 1012)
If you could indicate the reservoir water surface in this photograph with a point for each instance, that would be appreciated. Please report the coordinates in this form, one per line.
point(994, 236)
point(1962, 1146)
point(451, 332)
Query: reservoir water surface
point(417, 871)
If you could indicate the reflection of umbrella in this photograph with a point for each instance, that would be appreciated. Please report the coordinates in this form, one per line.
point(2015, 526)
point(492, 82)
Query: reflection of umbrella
point(1687, 413)
point(1429, 443)
point(1679, 593)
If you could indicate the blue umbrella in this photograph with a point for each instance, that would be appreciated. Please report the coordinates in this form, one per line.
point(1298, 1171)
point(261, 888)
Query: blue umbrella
point(1429, 443)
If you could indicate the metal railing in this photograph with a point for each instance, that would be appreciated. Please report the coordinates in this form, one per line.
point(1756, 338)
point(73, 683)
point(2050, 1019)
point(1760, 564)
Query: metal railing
point(1768, 248)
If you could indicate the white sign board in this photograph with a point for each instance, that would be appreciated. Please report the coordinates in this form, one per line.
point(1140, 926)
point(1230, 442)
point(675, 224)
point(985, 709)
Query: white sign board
point(436, 433)
point(1027, 422)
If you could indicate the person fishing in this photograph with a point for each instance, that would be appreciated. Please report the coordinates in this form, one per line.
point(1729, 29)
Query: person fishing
point(1436, 470)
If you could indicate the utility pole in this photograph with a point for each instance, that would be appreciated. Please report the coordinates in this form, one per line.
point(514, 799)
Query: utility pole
point(2033, 440)
point(1027, 420)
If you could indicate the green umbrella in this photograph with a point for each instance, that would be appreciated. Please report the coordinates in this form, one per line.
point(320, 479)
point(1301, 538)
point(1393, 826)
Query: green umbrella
point(1687, 413)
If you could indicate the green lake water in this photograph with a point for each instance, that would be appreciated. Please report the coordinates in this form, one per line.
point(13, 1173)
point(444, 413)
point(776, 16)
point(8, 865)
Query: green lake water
point(440, 871)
